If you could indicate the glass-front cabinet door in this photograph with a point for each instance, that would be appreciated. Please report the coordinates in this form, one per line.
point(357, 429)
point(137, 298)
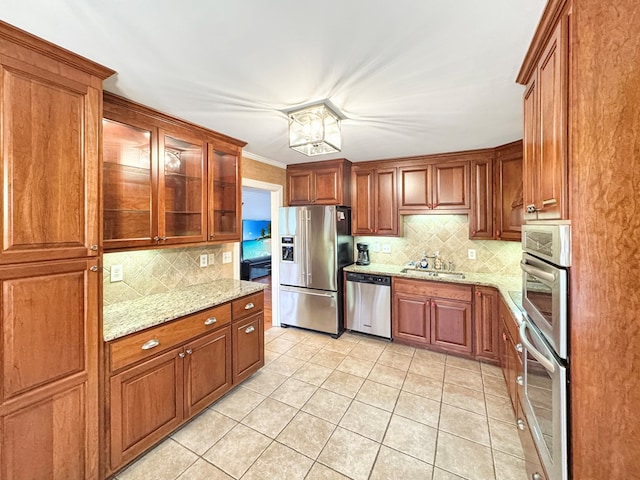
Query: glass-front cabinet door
point(224, 192)
point(127, 181)
point(181, 189)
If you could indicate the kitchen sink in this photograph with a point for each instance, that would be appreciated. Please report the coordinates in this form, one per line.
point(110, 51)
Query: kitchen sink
point(433, 273)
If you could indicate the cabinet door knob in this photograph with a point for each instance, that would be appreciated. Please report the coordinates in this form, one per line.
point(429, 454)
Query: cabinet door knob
point(210, 321)
point(519, 348)
point(536, 476)
point(189, 352)
point(93, 268)
point(473, 232)
point(497, 233)
point(94, 248)
point(478, 294)
point(150, 344)
point(156, 238)
point(181, 354)
point(531, 208)
point(163, 238)
point(520, 424)
point(520, 380)
point(435, 205)
point(249, 306)
point(249, 329)
point(504, 337)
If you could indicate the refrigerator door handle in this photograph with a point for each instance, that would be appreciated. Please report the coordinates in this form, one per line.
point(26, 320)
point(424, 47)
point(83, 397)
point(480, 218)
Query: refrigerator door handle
point(303, 292)
point(307, 253)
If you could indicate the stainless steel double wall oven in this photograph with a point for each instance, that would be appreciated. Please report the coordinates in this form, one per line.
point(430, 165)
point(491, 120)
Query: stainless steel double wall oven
point(544, 334)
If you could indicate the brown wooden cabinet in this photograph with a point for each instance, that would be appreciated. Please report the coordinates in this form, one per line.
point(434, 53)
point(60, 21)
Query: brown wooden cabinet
point(49, 260)
point(248, 336)
point(487, 323)
point(146, 404)
point(49, 389)
point(509, 351)
point(432, 314)
point(481, 213)
point(509, 204)
point(225, 212)
point(545, 127)
point(374, 202)
point(434, 187)
point(319, 183)
point(166, 181)
point(162, 376)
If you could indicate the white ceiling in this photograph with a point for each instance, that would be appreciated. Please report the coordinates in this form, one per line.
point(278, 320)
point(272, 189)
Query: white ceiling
point(411, 77)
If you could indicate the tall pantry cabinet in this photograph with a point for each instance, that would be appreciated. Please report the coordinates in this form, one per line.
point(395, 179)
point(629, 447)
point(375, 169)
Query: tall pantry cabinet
point(50, 136)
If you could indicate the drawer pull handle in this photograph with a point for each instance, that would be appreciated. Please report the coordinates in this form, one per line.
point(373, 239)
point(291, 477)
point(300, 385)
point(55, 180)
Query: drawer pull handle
point(210, 321)
point(249, 329)
point(249, 306)
point(150, 344)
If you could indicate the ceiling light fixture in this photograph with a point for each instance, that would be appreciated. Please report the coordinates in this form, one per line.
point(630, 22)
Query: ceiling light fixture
point(314, 130)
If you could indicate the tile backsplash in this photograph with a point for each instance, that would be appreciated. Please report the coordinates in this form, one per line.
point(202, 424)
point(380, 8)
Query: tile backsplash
point(146, 272)
point(448, 234)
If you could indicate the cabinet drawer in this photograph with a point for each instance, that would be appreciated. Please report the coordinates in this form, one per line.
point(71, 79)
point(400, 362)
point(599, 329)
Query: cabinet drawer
point(247, 305)
point(433, 289)
point(509, 321)
point(147, 343)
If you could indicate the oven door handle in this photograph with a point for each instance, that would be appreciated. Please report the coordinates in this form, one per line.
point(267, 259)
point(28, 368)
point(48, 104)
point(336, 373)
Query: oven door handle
point(544, 361)
point(549, 277)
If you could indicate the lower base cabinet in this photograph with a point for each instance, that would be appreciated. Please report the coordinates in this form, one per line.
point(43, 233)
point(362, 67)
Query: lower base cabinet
point(248, 346)
point(152, 394)
point(432, 314)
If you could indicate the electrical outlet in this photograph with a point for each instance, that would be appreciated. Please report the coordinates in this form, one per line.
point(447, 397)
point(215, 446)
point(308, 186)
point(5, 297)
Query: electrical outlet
point(116, 273)
point(227, 257)
point(376, 247)
point(386, 248)
point(471, 253)
point(204, 260)
point(212, 258)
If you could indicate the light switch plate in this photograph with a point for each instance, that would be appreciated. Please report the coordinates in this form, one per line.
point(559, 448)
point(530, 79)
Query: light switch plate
point(227, 257)
point(117, 273)
point(376, 247)
point(204, 260)
point(471, 253)
point(386, 248)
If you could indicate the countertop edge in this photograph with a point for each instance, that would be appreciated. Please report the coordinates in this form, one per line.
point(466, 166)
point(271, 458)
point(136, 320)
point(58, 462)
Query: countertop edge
point(156, 309)
point(502, 283)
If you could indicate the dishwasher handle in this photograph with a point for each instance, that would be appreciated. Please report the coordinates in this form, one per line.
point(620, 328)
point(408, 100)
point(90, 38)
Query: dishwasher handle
point(381, 280)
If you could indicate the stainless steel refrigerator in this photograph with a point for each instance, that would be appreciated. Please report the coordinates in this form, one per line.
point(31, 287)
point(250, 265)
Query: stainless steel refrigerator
point(315, 245)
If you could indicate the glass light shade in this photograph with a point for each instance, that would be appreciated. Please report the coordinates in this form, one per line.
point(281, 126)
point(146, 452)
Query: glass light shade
point(315, 130)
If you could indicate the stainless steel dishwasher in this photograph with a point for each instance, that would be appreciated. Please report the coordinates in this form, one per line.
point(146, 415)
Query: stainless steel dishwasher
point(369, 304)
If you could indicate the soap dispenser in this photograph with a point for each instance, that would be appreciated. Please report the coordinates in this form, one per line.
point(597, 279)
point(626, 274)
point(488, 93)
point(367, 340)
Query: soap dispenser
point(423, 261)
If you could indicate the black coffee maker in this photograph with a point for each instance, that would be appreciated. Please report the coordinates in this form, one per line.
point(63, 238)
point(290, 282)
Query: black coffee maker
point(363, 254)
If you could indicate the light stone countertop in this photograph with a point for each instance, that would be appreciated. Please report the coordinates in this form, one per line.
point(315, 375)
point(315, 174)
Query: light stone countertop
point(124, 318)
point(504, 283)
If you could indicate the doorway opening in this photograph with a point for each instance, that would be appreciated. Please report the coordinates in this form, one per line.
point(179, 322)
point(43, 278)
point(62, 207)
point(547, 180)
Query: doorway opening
point(259, 247)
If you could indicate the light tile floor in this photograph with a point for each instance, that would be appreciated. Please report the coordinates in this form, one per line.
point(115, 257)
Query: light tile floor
point(355, 407)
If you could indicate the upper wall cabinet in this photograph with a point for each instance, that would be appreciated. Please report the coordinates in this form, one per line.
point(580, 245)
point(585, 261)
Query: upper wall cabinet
point(374, 208)
point(545, 73)
point(509, 208)
point(434, 188)
point(224, 192)
point(159, 176)
point(49, 157)
point(319, 183)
